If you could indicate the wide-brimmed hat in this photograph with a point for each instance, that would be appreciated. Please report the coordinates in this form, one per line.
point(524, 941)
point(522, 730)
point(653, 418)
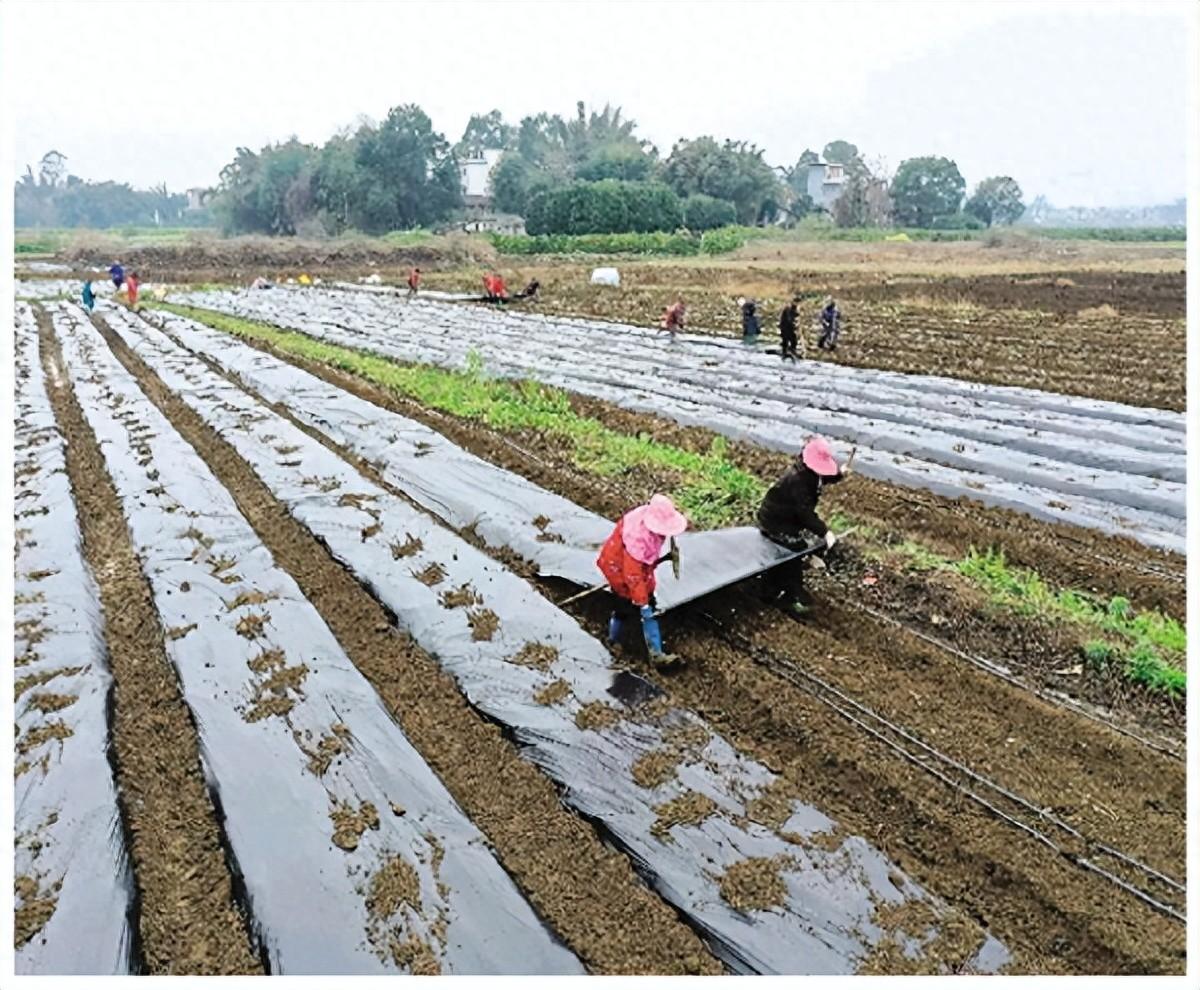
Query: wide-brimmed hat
point(663, 518)
point(818, 457)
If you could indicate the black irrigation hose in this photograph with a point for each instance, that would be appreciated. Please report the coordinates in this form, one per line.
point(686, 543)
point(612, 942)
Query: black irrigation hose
point(855, 712)
point(998, 670)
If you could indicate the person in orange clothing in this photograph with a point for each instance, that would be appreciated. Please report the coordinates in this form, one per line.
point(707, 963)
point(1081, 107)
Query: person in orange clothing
point(628, 559)
point(414, 282)
point(131, 286)
point(674, 317)
point(494, 288)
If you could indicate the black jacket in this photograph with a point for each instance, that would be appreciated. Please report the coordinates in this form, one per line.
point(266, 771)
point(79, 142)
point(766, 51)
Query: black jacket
point(790, 506)
point(787, 320)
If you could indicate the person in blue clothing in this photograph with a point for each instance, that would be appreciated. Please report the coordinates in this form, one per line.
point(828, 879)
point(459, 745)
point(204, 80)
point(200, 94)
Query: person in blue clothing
point(89, 298)
point(118, 274)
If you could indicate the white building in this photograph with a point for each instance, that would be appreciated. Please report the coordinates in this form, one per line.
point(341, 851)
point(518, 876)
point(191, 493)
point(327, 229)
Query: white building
point(825, 183)
point(476, 171)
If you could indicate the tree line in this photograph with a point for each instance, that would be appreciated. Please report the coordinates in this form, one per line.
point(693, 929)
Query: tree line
point(52, 197)
point(586, 173)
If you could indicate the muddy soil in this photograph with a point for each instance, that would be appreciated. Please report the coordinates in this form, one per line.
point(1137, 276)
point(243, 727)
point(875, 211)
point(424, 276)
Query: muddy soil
point(190, 915)
point(587, 893)
point(1056, 917)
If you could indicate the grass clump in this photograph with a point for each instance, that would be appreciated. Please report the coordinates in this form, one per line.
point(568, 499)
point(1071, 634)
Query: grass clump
point(1150, 642)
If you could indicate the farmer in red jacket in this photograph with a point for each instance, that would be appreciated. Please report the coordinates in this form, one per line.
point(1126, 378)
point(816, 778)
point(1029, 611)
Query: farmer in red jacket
point(131, 284)
point(627, 561)
point(414, 282)
point(674, 317)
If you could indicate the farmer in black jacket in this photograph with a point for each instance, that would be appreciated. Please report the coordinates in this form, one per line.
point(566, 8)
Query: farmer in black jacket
point(788, 320)
point(789, 512)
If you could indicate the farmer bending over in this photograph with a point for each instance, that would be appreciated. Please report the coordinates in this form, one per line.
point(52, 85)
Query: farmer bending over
point(831, 320)
point(789, 512)
point(414, 282)
point(674, 317)
point(118, 274)
point(628, 559)
point(494, 288)
point(89, 297)
point(750, 324)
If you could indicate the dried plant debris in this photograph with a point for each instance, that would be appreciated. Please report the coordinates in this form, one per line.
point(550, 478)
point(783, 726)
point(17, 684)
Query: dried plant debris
point(251, 626)
point(552, 693)
point(483, 622)
point(432, 575)
point(461, 597)
point(248, 598)
point(356, 501)
point(411, 546)
point(755, 884)
point(537, 655)
point(690, 808)
point(42, 734)
point(277, 694)
point(46, 702)
point(35, 908)
point(415, 955)
point(329, 746)
point(394, 884)
point(367, 532)
point(349, 825)
point(597, 715)
point(949, 940)
point(35, 680)
point(655, 768)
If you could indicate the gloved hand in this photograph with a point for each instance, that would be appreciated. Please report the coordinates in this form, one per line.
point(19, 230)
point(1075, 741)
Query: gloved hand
point(830, 539)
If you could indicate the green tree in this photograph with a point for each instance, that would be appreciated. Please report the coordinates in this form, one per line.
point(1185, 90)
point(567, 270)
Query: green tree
point(996, 200)
point(410, 178)
point(702, 212)
point(625, 161)
point(926, 188)
point(733, 171)
point(841, 152)
point(485, 130)
point(606, 207)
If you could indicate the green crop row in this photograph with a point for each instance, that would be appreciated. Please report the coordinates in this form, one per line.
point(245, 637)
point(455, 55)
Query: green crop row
point(718, 241)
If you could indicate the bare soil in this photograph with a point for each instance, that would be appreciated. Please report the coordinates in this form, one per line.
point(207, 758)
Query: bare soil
point(190, 919)
point(1055, 917)
point(589, 895)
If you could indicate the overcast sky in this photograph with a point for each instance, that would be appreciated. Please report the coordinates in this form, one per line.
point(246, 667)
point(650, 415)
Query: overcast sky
point(1084, 102)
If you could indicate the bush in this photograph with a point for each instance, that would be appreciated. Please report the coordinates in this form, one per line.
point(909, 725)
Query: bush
point(721, 241)
point(682, 245)
point(702, 212)
point(957, 221)
point(606, 207)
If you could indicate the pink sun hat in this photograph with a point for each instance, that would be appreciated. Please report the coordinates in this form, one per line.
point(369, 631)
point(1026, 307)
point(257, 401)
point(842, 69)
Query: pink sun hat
point(819, 457)
point(663, 518)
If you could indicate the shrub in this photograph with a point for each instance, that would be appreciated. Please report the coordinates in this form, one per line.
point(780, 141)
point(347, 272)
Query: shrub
point(606, 207)
point(702, 212)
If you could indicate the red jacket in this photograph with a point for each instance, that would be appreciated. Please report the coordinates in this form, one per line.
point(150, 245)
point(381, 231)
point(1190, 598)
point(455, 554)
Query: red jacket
point(132, 283)
point(673, 317)
point(626, 575)
point(414, 279)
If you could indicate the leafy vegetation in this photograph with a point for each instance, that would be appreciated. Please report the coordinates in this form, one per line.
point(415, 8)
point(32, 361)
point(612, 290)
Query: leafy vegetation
point(1150, 639)
point(606, 207)
point(926, 188)
point(659, 243)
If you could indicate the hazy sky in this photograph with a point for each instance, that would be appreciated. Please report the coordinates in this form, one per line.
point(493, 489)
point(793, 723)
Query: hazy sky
point(1084, 102)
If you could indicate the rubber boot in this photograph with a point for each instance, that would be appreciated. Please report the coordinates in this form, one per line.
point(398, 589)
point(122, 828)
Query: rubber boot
point(615, 625)
point(653, 637)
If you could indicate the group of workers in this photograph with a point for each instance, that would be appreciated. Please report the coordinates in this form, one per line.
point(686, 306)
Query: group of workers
point(787, 517)
point(116, 271)
point(675, 316)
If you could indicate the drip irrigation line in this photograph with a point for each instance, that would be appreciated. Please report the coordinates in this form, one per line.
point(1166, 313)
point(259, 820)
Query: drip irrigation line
point(998, 670)
point(928, 759)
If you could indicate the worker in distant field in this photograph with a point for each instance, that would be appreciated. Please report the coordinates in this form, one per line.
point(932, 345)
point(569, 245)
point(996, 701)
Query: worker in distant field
point(414, 282)
point(789, 512)
point(674, 317)
point(495, 291)
point(628, 559)
point(831, 320)
point(132, 284)
point(789, 320)
point(89, 298)
point(118, 275)
point(531, 290)
point(750, 324)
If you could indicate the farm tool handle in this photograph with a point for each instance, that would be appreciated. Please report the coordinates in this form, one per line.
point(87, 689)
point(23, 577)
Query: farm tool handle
point(673, 557)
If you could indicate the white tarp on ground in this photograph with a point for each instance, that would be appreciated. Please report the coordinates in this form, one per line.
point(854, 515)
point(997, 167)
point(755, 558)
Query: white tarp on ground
point(270, 689)
point(69, 840)
point(828, 923)
point(1116, 468)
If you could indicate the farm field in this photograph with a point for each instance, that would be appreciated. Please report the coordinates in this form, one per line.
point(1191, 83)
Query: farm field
point(311, 543)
